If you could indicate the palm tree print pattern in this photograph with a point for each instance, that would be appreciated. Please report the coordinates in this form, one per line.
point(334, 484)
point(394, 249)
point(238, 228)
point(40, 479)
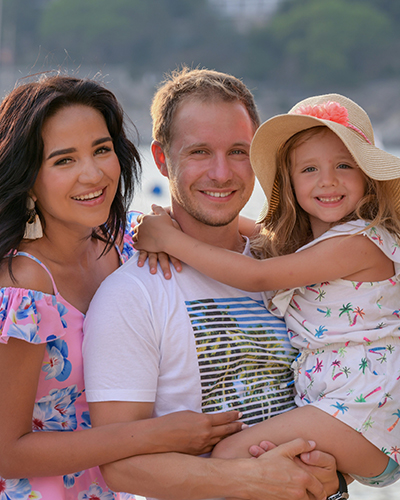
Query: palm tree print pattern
point(349, 334)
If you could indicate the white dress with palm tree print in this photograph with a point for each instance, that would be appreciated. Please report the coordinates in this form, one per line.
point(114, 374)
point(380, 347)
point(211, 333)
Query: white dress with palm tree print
point(348, 335)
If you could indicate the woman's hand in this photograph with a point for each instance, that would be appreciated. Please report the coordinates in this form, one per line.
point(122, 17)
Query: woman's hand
point(197, 433)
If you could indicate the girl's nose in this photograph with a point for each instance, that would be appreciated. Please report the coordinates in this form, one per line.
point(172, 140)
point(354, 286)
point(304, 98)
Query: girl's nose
point(327, 178)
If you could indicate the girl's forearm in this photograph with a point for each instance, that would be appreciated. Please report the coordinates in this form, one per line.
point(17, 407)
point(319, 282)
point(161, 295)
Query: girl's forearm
point(232, 268)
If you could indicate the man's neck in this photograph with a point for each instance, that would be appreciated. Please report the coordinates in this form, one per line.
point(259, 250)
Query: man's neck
point(227, 236)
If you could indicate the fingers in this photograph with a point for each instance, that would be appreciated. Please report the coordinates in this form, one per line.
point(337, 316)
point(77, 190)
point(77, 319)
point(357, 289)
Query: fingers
point(153, 262)
point(285, 479)
point(258, 450)
point(142, 257)
point(222, 431)
point(224, 417)
point(157, 210)
point(163, 259)
point(176, 263)
point(322, 466)
point(295, 447)
point(164, 264)
point(319, 459)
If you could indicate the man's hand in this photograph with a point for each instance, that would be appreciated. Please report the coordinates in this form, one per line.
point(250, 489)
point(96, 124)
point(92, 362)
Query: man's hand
point(321, 465)
point(284, 478)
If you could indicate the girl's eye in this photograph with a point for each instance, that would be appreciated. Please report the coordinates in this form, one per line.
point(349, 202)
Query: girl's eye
point(309, 169)
point(344, 165)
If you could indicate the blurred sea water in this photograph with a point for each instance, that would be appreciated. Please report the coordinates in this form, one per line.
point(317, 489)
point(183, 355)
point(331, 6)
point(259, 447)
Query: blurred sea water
point(155, 190)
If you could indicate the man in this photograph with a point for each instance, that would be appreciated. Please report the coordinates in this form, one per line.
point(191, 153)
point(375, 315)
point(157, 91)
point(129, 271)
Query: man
point(153, 346)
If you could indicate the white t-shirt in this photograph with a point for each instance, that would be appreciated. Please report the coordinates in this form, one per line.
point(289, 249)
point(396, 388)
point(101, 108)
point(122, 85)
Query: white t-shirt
point(188, 343)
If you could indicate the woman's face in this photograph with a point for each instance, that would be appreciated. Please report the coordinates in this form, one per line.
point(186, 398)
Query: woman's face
point(79, 175)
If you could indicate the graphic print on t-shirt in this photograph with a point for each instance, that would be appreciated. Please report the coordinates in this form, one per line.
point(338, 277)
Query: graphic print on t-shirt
point(244, 357)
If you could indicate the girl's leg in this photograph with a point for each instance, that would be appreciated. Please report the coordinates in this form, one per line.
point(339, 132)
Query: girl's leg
point(354, 454)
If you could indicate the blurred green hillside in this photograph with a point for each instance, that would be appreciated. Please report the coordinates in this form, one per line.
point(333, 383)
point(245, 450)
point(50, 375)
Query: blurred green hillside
point(306, 42)
point(304, 47)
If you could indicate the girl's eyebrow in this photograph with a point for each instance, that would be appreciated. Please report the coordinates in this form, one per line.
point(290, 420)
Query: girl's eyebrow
point(59, 152)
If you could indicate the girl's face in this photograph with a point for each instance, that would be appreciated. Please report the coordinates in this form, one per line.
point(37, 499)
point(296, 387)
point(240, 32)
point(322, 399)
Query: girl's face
point(326, 180)
point(79, 175)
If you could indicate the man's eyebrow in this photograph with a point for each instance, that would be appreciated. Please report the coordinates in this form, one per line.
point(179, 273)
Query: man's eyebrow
point(59, 152)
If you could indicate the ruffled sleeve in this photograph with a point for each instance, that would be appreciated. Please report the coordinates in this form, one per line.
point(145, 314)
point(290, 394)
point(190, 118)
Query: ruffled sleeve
point(128, 251)
point(32, 316)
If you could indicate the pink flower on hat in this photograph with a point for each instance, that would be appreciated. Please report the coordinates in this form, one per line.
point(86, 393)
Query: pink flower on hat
point(328, 110)
point(332, 111)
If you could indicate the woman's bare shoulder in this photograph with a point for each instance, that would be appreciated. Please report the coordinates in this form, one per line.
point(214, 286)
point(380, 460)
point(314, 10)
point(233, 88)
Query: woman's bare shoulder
point(26, 273)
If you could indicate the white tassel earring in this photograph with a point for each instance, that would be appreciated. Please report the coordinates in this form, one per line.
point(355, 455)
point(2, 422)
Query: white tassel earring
point(33, 228)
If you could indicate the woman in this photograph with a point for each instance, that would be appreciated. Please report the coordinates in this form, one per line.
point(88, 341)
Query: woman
point(67, 173)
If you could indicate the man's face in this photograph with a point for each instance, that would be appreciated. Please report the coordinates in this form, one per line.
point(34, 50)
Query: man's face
point(209, 170)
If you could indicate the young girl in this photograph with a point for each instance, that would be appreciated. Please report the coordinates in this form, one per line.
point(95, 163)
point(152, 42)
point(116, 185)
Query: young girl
point(329, 237)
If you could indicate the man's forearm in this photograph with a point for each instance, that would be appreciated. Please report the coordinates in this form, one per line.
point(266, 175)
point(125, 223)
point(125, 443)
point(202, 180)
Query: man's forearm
point(174, 476)
point(171, 476)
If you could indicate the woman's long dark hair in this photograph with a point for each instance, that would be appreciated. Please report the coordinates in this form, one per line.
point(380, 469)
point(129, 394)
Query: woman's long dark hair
point(22, 115)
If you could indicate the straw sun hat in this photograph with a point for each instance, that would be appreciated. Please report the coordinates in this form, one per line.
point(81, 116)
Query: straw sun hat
point(341, 115)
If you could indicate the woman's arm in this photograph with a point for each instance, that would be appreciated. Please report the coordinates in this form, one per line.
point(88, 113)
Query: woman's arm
point(348, 258)
point(24, 453)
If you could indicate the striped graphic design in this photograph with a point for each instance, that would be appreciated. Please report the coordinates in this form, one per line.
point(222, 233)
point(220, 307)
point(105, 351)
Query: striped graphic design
point(244, 357)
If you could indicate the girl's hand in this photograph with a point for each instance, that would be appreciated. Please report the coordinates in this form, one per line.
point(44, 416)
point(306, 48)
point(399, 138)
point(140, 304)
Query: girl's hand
point(163, 259)
point(152, 230)
point(197, 433)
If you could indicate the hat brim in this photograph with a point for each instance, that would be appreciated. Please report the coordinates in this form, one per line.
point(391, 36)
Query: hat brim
point(274, 133)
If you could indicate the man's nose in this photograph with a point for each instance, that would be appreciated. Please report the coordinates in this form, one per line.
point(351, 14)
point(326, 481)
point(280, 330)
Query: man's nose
point(220, 169)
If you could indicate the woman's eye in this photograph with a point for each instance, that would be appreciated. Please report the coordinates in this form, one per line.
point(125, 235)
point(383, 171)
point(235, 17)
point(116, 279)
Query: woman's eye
point(103, 149)
point(63, 161)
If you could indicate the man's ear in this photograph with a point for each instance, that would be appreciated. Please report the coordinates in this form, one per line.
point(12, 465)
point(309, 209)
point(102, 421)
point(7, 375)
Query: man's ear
point(159, 158)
